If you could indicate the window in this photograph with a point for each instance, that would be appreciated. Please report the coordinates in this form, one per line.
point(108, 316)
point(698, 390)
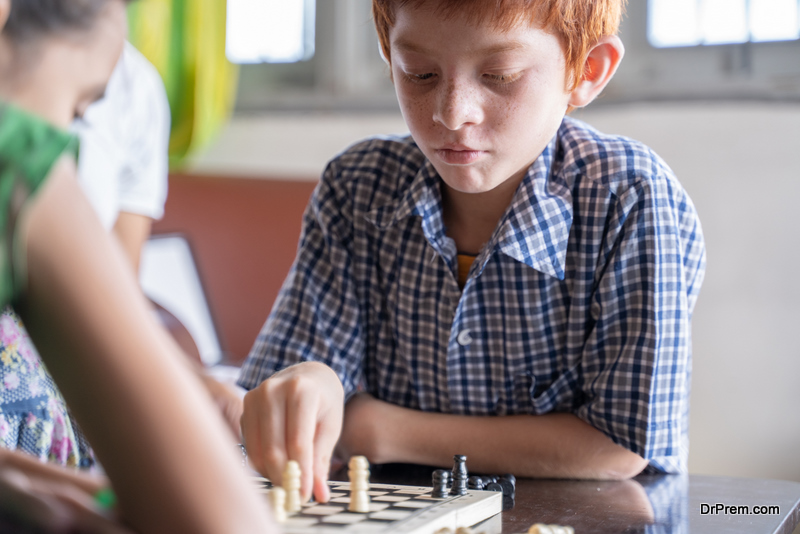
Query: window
point(345, 73)
point(270, 31)
point(673, 23)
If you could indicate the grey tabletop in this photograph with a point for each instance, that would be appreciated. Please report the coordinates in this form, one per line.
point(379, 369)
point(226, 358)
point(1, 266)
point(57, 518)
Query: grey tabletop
point(648, 504)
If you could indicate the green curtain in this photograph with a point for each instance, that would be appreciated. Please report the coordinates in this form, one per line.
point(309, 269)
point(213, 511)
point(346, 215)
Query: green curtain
point(185, 40)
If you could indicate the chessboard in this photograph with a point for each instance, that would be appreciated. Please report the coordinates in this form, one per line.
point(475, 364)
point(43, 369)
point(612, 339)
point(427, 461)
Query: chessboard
point(393, 509)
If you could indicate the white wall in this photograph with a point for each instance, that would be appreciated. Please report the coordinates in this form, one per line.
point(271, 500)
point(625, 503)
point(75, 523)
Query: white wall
point(296, 146)
point(739, 163)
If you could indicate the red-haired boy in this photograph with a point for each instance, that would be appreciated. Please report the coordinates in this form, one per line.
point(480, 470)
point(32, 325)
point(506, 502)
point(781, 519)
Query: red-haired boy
point(507, 283)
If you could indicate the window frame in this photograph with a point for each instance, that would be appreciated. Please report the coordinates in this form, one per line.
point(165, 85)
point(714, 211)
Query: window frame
point(348, 75)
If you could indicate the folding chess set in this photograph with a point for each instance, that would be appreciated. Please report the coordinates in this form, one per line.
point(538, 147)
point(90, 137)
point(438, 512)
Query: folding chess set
point(384, 508)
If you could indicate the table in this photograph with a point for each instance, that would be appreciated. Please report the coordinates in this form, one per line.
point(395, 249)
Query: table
point(647, 503)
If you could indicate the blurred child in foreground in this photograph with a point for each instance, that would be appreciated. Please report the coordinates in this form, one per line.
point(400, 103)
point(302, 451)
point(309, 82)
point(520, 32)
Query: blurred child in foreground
point(162, 443)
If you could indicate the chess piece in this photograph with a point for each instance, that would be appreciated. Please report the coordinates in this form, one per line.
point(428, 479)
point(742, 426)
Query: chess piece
point(464, 530)
point(460, 475)
point(441, 477)
point(291, 484)
point(509, 485)
point(493, 486)
point(359, 484)
point(475, 483)
point(541, 528)
point(277, 498)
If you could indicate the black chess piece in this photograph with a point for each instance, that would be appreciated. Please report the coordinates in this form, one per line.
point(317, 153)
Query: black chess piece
point(441, 477)
point(493, 486)
point(460, 475)
point(475, 483)
point(509, 485)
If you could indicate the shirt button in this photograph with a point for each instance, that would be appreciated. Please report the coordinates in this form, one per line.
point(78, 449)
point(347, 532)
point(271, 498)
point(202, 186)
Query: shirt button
point(464, 338)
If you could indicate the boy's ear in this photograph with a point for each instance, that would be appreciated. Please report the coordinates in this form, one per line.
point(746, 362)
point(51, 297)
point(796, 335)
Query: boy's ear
point(600, 66)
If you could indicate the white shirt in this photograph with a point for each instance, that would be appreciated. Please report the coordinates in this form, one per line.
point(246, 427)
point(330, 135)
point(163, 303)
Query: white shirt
point(124, 138)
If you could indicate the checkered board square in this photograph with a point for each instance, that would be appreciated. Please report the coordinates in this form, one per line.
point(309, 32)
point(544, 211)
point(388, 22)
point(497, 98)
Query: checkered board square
point(393, 509)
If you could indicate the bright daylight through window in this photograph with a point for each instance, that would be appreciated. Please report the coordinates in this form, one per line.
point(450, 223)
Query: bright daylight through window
point(270, 31)
point(674, 23)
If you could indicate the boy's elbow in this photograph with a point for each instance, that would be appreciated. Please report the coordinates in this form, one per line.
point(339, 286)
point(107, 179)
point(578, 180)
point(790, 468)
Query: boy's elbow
point(625, 465)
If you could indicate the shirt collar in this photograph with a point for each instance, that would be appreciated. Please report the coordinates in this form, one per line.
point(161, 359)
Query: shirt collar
point(534, 230)
point(423, 199)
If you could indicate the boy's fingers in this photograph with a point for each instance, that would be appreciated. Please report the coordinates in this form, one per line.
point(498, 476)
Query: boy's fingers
point(262, 427)
point(329, 427)
point(251, 432)
point(301, 422)
point(273, 438)
point(321, 469)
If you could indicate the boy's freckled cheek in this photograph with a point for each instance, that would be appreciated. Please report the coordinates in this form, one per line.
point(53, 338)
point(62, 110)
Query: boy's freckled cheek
point(505, 115)
point(419, 110)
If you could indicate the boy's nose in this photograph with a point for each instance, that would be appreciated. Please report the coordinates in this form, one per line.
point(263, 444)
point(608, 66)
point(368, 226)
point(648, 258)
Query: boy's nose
point(457, 105)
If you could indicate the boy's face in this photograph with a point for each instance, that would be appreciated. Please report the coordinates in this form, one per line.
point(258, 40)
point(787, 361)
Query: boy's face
point(482, 104)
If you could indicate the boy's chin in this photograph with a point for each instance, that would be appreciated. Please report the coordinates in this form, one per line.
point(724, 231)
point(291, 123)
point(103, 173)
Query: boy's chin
point(469, 181)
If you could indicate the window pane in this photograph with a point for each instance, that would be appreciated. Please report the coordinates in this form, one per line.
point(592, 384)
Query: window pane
point(269, 31)
point(673, 23)
point(724, 21)
point(774, 20)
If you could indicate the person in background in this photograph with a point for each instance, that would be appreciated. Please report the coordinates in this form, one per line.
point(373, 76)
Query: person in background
point(123, 170)
point(170, 462)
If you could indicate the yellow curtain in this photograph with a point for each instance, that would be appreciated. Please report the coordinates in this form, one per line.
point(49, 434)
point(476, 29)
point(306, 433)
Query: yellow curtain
point(185, 40)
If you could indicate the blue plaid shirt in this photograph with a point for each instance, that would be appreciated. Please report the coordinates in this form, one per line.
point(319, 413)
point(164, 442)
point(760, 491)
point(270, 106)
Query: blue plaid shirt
point(581, 301)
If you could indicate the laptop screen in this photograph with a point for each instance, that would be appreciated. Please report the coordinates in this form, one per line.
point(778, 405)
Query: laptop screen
point(168, 276)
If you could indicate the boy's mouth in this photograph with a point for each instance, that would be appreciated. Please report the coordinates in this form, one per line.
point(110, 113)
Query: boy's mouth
point(459, 154)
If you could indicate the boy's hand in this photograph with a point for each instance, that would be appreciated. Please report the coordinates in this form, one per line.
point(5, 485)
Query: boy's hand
point(296, 414)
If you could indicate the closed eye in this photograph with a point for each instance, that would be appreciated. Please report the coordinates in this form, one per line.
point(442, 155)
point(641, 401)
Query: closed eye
point(419, 78)
point(502, 79)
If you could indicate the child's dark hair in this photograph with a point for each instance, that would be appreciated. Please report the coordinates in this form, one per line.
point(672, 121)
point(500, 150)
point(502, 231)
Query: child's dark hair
point(29, 19)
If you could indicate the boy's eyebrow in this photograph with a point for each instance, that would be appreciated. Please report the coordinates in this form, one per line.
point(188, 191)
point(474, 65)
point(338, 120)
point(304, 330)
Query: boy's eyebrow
point(406, 46)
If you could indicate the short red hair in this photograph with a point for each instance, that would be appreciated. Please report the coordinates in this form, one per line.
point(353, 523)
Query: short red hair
point(579, 23)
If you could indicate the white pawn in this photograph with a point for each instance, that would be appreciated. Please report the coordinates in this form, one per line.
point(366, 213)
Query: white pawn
point(291, 484)
point(541, 528)
point(359, 484)
point(277, 498)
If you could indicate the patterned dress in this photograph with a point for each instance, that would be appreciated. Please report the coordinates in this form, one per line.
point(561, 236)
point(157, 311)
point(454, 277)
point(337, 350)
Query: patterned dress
point(33, 415)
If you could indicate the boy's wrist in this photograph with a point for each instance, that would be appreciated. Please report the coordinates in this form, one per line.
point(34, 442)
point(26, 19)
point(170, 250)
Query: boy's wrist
point(370, 428)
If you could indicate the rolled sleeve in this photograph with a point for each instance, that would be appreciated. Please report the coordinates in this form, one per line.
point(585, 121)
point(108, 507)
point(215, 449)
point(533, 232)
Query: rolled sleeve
point(636, 364)
point(316, 316)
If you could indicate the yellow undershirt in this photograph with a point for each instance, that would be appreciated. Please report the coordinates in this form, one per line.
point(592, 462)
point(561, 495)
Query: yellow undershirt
point(464, 264)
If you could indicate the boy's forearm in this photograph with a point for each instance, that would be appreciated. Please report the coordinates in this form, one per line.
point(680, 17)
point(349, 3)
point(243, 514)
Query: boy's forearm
point(554, 445)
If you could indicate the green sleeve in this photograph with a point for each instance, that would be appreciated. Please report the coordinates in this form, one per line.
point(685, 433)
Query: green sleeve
point(29, 148)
